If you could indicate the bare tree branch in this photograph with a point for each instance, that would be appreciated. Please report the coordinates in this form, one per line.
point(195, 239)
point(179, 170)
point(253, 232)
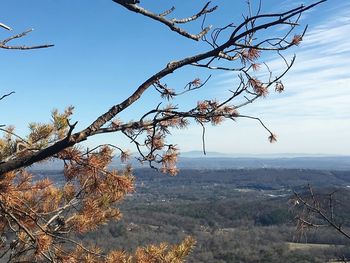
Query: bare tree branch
point(4, 43)
point(312, 206)
point(171, 23)
point(5, 26)
point(6, 95)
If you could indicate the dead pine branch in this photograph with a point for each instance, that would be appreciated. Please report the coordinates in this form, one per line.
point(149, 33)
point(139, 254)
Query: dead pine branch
point(44, 218)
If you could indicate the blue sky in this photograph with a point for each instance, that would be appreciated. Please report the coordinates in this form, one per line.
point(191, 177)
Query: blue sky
point(102, 52)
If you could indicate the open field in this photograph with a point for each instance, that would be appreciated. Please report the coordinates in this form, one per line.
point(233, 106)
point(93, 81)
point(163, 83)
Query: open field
point(306, 246)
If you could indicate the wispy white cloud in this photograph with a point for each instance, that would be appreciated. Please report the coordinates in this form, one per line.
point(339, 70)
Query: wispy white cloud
point(317, 89)
point(319, 81)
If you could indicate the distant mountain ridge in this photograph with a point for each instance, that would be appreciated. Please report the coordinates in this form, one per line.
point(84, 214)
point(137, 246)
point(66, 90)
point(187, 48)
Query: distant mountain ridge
point(218, 161)
point(200, 154)
point(314, 163)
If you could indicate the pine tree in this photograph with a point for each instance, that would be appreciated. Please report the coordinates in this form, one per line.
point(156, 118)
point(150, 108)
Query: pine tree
point(39, 218)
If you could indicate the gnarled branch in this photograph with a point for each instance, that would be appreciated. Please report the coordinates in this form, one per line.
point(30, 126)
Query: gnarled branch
point(95, 127)
point(4, 43)
point(131, 5)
